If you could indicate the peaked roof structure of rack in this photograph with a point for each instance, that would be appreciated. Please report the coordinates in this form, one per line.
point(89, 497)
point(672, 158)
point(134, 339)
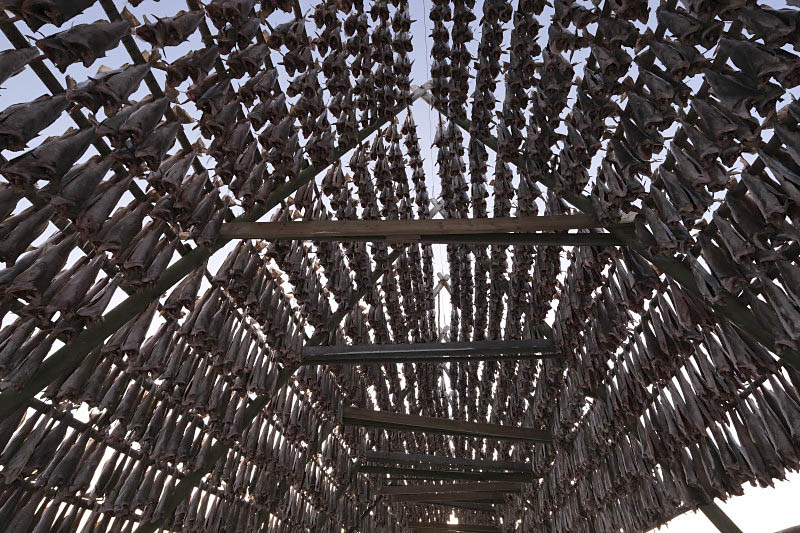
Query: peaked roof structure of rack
point(618, 218)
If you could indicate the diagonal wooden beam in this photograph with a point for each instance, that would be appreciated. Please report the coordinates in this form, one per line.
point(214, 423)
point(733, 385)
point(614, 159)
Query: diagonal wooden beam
point(729, 307)
point(354, 416)
point(718, 517)
point(449, 488)
point(434, 351)
point(455, 475)
point(437, 460)
point(413, 229)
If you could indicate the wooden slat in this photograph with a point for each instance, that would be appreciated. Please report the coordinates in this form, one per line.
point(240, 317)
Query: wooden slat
point(482, 497)
point(419, 459)
point(473, 506)
point(432, 527)
point(558, 238)
point(420, 473)
point(403, 229)
point(490, 486)
point(366, 417)
point(428, 352)
point(436, 348)
point(380, 359)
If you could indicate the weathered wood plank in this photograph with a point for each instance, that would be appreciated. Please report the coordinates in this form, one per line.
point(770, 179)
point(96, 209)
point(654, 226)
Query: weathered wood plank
point(410, 229)
point(482, 497)
point(558, 238)
point(437, 348)
point(414, 459)
point(485, 507)
point(450, 488)
point(380, 359)
point(420, 473)
point(435, 527)
point(366, 417)
point(720, 520)
point(555, 238)
point(431, 352)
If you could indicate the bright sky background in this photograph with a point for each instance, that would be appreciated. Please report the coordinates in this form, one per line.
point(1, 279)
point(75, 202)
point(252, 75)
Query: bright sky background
point(758, 511)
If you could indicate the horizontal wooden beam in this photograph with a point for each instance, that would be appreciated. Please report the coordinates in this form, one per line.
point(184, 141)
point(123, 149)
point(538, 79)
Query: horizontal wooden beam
point(353, 416)
point(380, 359)
point(456, 475)
point(434, 527)
point(472, 506)
point(557, 238)
point(482, 497)
point(438, 460)
point(426, 352)
point(402, 230)
point(430, 488)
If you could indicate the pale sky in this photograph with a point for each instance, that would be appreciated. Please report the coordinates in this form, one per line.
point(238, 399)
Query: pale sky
point(757, 511)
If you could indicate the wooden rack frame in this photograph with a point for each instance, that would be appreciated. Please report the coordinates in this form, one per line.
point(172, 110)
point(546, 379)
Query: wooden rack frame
point(430, 352)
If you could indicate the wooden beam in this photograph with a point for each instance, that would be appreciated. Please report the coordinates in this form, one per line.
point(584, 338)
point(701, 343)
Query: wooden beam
point(490, 486)
point(411, 230)
point(403, 358)
point(472, 506)
point(426, 352)
point(718, 517)
point(420, 473)
point(557, 238)
point(435, 527)
point(438, 460)
point(482, 497)
point(354, 416)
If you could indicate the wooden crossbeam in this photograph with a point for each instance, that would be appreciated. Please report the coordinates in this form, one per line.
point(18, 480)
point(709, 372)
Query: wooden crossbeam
point(482, 497)
point(437, 460)
point(354, 416)
point(420, 473)
point(403, 230)
point(434, 351)
point(450, 488)
point(556, 238)
point(472, 506)
point(436, 527)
